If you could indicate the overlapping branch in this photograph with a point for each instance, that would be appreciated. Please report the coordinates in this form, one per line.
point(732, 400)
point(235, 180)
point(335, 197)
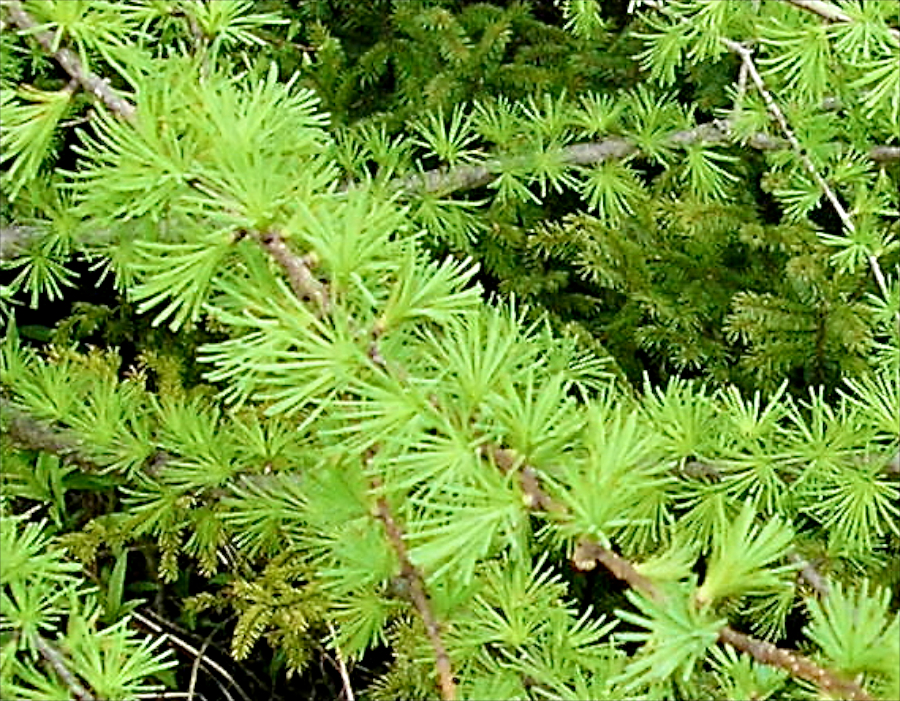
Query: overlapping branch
point(828, 11)
point(313, 292)
point(747, 60)
point(70, 62)
point(718, 131)
point(589, 552)
point(415, 586)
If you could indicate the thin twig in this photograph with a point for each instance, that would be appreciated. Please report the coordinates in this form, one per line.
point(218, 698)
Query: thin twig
point(342, 667)
point(775, 110)
point(192, 684)
point(828, 11)
point(823, 9)
point(70, 63)
point(747, 59)
point(298, 270)
point(29, 433)
point(190, 649)
point(588, 552)
point(57, 662)
point(415, 586)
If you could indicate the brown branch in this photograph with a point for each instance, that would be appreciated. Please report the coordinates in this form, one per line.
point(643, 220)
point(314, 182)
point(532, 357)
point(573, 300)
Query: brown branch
point(28, 433)
point(16, 238)
point(823, 9)
point(893, 465)
point(795, 664)
point(70, 63)
point(308, 289)
point(591, 153)
point(809, 574)
point(299, 272)
point(696, 469)
point(885, 154)
point(55, 659)
point(31, 434)
point(589, 552)
point(415, 586)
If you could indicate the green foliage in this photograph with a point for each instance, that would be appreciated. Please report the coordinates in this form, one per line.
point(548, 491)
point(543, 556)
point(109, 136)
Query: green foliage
point(49, 614)
point(846, 610)
point(374, 453)
point(676, 639)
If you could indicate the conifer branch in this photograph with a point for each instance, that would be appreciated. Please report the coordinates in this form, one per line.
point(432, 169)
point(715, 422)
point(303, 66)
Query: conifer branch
point(415, 585)
point(31, 434)
point(298, 270)
point(828, 11)
point(70, 63)
point(588, 552)
point(56, 661)
point(747, 59)
point(795, 664)
point(590, 153)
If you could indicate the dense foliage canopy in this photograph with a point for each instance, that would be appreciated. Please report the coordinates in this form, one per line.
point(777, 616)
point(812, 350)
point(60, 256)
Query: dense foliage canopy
point(538, 350)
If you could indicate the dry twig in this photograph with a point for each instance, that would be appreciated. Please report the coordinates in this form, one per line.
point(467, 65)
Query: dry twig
point(342, 667)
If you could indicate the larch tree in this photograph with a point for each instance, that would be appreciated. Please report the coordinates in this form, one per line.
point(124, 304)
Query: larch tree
point(536, 351)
